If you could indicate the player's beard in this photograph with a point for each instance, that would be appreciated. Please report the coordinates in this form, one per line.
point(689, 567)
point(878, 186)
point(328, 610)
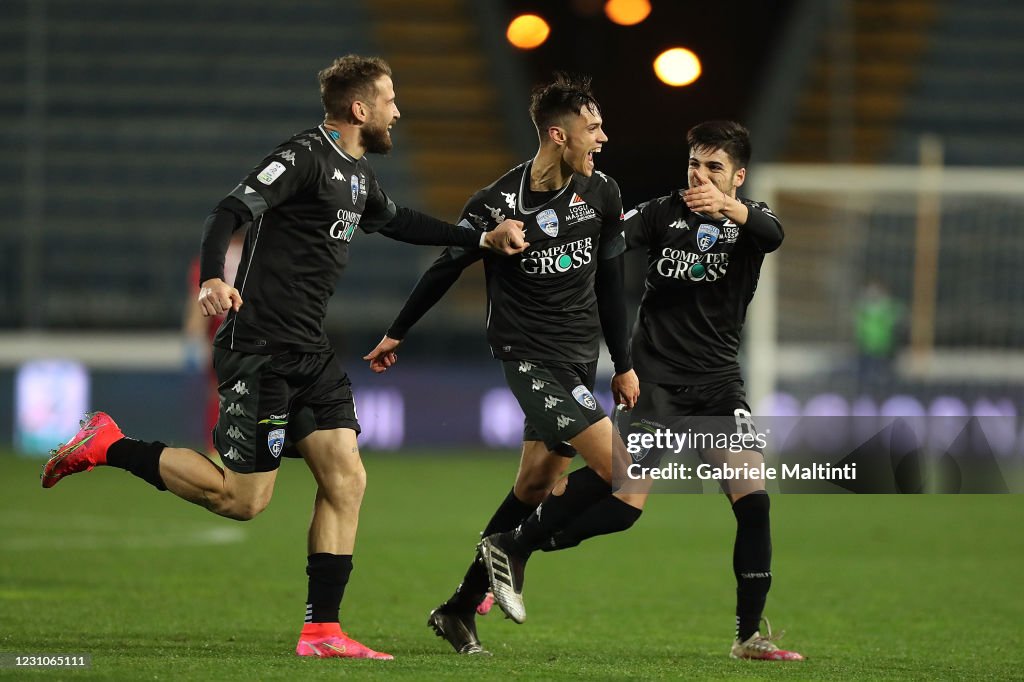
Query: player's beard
point(376, 140)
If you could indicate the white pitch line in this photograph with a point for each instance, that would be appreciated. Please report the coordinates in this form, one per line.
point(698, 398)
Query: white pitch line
point(215, 535)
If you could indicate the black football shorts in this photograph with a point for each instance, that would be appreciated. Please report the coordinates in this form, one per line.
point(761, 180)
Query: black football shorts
point(711, 415)
point(557, 399)
point(270, 402)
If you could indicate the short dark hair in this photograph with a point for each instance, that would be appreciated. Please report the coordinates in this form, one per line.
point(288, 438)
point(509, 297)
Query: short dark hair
point(348, 79)
point(729, 136)
point(566, 95)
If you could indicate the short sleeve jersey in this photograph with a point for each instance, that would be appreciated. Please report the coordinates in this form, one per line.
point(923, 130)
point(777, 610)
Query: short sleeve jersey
point(307, 198)
point(541, 304)
point(701, 276)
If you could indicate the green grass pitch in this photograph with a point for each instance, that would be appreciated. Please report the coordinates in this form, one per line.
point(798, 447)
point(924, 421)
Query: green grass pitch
point(868, 587)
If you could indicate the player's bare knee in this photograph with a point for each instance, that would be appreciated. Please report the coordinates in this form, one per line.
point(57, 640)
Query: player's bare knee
point(344, 489)
point(238, 505)
point(354, 485)
point(534, 484)
point(532, 491)
point(247, 511)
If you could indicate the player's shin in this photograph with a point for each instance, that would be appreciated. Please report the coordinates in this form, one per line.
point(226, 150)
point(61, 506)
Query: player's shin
point(609, 515)
point(584, 487)
point(139, 458)
point(752, 558)
point(328, 577)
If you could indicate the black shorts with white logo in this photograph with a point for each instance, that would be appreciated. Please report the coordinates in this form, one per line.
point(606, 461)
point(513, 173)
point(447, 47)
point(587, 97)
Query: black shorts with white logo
point(721, 398)
point(711, 414)
point(270, 402)
point(557, 399)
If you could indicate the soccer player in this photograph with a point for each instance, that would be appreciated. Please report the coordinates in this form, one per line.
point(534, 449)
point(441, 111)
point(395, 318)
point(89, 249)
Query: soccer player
point(705, 247)
point(546, 308)
point(282, 388)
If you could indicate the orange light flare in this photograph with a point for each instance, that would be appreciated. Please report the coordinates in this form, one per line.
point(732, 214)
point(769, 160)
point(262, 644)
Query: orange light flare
point(627, 12)
point(677, 67)
point(527, 31)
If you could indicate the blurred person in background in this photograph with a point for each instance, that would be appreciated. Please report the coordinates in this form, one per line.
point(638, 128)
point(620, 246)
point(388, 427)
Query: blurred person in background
point(282, 388)
point(877, 326)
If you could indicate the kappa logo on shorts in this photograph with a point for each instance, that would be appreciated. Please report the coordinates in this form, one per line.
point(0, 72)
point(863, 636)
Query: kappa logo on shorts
point(584, 397)
point(525, 366)
point(232, 454)
point(240, 388)
point(235, 432)
point(275, 441)
point(538, 384)
point(550, 401)
point(562, 422)
point(235, 410)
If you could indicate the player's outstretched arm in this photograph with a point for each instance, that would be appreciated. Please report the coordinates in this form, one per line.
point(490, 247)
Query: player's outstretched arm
point(413, 227)
point(432, 286)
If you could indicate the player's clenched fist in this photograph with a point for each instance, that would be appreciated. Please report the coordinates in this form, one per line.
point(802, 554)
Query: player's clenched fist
point(216, 297)
point(507, 238)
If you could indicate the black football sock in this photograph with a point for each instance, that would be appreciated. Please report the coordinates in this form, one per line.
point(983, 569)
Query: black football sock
point(328, 576)
point(139, 458)
point(751, 561)
point(610, 515)
point(584, 488)
point(474, 586)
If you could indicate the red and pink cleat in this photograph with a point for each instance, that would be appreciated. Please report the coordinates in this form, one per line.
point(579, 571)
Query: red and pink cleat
point(327, 640)
point(86, 450)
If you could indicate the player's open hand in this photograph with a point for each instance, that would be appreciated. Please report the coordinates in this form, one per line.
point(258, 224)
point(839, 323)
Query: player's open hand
point(508, 238)
point(216, 297)
point(703, 196)
point(384, 355)
point(626, 389)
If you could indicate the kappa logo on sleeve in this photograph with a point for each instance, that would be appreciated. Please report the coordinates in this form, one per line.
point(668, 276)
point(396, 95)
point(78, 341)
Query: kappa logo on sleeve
point(271, 173)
